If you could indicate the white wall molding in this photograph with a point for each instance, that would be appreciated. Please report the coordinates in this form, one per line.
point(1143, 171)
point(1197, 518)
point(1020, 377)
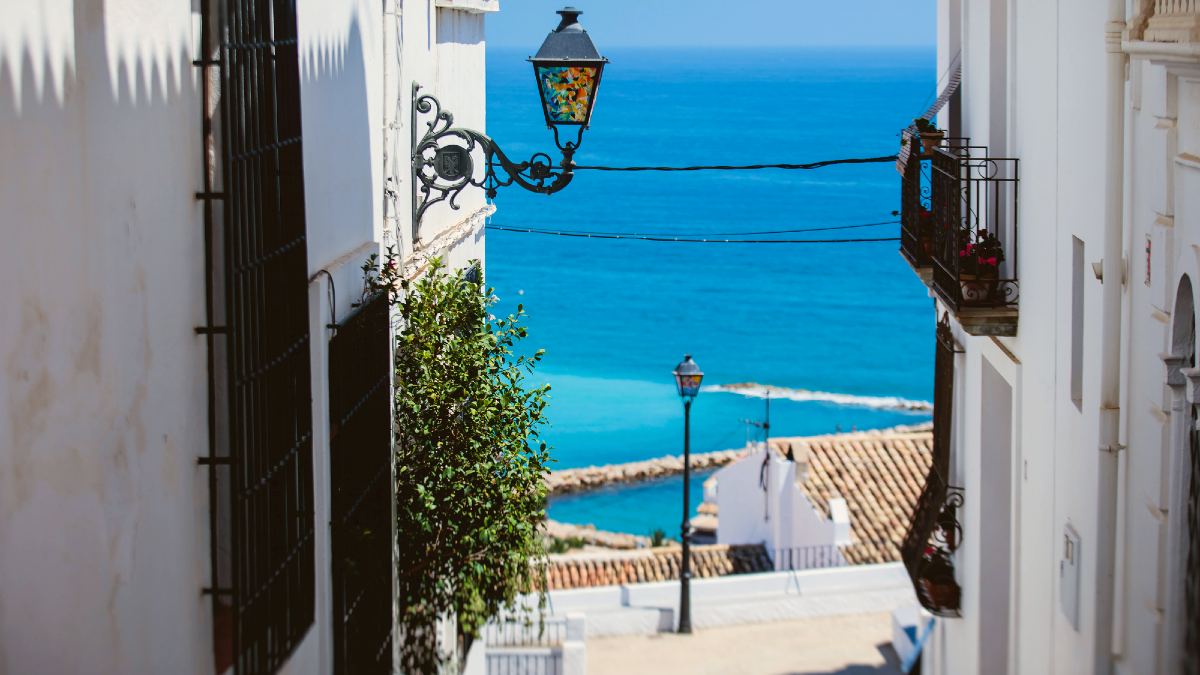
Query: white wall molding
point(472, 6)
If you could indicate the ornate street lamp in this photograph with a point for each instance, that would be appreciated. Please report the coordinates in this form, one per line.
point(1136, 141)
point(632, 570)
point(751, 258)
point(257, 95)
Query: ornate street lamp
point(568, 70)
point(687, 378)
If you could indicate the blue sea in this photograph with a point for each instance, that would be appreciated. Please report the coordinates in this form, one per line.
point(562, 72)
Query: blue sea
point(616, 316)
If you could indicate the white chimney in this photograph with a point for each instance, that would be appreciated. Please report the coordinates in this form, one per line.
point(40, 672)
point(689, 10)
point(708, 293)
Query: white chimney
point(839, 515)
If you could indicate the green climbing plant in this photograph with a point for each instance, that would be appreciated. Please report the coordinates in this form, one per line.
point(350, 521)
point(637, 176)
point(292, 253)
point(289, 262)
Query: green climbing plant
point(470, 459)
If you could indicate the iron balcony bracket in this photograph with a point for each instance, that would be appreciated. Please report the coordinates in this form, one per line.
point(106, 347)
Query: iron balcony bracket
point(443, 163)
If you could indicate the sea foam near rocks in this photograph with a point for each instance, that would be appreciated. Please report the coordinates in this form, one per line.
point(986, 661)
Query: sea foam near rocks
point(756, 390)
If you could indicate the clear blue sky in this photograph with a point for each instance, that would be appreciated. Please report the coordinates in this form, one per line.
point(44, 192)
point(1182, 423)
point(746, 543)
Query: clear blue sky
point(722, 23)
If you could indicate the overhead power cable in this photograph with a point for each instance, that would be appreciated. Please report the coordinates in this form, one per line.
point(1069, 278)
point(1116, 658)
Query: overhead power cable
point(824, 228)
point(742, 167)
point(685, 240)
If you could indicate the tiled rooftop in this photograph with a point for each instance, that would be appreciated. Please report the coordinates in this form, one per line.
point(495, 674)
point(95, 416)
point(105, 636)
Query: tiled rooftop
point(878, 473)
point(656, 564)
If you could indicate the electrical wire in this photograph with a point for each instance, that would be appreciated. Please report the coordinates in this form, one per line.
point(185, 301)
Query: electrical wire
point(742, 167)
point(694, 235)
point(686, 240)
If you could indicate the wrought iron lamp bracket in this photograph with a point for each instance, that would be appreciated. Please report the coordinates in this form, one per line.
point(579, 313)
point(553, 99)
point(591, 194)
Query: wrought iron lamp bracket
point(443, 161)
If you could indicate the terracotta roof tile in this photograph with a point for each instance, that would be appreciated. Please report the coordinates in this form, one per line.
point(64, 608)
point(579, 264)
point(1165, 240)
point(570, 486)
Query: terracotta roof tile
point(879, 474)
point(658, 564)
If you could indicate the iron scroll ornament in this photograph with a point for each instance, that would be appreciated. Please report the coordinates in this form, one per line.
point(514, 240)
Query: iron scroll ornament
point(443, 161)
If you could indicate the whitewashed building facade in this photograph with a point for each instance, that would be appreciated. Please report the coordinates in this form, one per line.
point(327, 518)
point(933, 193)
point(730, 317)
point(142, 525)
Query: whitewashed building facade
point(188, 190)
point(1066, 380)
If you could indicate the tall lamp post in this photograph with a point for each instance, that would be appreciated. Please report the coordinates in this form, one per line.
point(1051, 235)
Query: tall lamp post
point(687, 378)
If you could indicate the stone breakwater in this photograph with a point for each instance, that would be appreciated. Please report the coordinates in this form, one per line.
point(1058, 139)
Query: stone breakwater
point(593, 537)
point(592, 477)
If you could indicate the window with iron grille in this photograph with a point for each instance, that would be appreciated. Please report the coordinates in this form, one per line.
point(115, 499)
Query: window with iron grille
point(261, 491)
point(943, 399)
point(360, 470)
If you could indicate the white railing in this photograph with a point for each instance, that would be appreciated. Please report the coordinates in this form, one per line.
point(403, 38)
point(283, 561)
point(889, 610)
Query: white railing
point(1174, 21)
point(525, 661)
point(522, 632)
point(1176, 7)
point(536, 646)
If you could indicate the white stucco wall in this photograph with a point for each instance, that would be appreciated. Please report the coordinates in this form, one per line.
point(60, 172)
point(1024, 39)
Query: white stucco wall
point(1052, 100)
point(104, 512)
point(779, 517)
point(1164, 180)
point(444, 52)
point(1044, 104)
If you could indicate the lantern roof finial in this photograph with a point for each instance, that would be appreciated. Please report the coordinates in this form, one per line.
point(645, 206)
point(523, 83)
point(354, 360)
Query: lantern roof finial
point(570, 19)
point(569, 41)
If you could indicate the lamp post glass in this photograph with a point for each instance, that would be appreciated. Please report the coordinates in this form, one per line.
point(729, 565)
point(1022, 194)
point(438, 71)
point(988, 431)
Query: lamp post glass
point(688, 377)
point(568, 70)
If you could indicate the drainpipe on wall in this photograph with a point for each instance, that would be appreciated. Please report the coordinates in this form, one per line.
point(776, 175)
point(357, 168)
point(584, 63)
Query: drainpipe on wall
point(1112, 280)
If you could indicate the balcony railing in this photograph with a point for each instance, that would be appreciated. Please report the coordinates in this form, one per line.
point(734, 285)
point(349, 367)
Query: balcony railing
point(916, 220)
point(916, 216)
point(974, 206)
point(934, 531)
point(1174, 21)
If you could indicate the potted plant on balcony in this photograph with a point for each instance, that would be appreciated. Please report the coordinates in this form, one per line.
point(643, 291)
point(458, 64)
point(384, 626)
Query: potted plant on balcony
point(988, 254)
point(968, 258)
point(937, 579)
point(925, 230)
point(931, 136)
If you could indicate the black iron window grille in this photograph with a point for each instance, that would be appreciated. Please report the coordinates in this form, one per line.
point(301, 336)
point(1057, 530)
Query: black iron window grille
point(360, 472)
point(934, 531)
point(261, 489)
point(974, 212)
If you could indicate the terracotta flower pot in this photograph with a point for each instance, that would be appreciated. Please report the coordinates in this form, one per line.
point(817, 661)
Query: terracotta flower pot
point(943, 593)
point(980, 288)
point(931, 140)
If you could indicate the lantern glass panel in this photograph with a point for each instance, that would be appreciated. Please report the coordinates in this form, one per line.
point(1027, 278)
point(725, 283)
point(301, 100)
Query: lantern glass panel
point(689, 385)
point(568, 92)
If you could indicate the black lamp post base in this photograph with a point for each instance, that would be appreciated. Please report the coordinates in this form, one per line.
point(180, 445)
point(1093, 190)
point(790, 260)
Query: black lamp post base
point(685, 606)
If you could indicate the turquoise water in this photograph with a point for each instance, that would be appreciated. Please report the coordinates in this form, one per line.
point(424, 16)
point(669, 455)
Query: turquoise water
point(616, 316)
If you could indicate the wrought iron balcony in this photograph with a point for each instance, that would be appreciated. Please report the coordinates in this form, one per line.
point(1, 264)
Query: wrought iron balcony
point(916, 216)
point(933, 536)
point(916, 220)
point(934, 532)
point(973, 200)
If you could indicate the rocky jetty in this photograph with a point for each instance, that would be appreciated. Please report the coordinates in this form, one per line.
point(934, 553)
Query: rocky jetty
point(592, 477)
point(589, 535)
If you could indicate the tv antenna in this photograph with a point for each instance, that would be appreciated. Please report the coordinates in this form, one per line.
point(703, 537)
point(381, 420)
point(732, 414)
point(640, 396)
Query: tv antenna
point(764, 424)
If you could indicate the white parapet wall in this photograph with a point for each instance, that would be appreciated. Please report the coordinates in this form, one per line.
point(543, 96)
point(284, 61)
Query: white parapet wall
point(651, 608)
point(553, 645)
